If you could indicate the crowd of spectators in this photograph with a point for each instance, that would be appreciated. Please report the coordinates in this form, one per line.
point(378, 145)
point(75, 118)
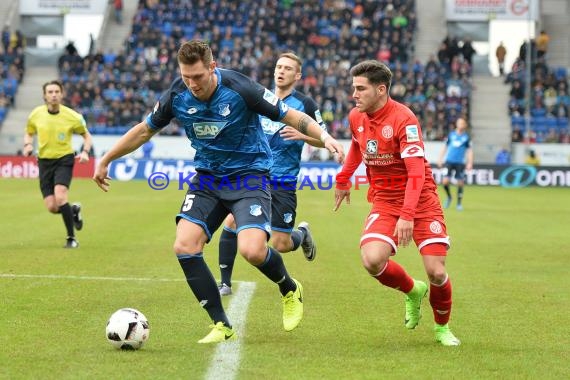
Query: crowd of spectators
point(438, 91)
point(549, 98)
point(11, 68)
point(115, 89)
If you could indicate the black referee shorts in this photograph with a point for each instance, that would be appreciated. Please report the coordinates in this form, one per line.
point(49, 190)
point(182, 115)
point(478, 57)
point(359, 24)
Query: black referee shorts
point(56, 171)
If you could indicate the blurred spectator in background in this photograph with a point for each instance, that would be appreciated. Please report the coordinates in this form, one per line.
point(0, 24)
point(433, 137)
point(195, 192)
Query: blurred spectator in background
point(147, 149)
point(70, 48)
point(503, 157)
point(542, 44)
point(6, 34)
point(517, 135)
point(517, 92)
point(17, 39)
point(118, 5)
point(524, 49)
point(501, 53)
point(532, 159)
point(468, 51)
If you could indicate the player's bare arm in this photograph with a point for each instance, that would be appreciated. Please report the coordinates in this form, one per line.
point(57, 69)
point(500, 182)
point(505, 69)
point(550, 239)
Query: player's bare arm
point(129, 142)
point(290, 133)
point(87, 143)
point(28, 144)
point(307, 126)
point(304, 123)
point(469, 164)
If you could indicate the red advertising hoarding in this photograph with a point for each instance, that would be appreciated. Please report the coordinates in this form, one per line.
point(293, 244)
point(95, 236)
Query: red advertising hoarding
point(27, 167)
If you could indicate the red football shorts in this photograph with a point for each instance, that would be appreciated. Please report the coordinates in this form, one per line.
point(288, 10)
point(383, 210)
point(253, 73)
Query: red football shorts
point(429, 233)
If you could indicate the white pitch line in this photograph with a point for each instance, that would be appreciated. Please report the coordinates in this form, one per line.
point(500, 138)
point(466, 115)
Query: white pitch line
point(225, 363)
point(93, 278)
point(89, 278)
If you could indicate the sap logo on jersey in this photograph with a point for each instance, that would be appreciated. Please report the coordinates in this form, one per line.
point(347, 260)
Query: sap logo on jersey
point(269, 126)
point(208, 130)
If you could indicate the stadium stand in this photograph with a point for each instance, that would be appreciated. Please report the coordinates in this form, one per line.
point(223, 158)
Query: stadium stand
point(549, 101)
point(11, 68)
point(114, 89)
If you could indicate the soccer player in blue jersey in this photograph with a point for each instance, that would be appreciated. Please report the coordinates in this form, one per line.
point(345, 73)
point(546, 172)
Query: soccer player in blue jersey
point(457, 154)
point(286, 144)
point(218, 110)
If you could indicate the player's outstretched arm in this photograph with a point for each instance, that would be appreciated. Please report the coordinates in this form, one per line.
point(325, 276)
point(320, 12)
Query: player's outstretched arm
point(334, 147)
point(307, 126)
point(290, 133)
point(128, 143)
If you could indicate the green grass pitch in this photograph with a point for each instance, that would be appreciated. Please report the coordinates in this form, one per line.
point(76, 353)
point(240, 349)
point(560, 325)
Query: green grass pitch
point(508, 263)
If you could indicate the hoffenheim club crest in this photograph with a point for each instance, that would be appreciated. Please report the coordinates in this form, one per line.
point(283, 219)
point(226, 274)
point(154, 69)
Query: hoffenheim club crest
point(224, 109)
point(255, 210)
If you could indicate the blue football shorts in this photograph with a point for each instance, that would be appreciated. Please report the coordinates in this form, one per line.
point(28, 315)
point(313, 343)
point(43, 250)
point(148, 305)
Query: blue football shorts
point(209, 200)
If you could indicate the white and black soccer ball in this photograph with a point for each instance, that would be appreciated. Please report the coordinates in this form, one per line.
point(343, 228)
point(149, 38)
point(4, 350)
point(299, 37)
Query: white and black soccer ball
point(127, 329)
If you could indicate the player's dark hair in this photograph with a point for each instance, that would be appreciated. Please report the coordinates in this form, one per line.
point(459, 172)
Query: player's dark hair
point(56, 82)
point(195, 51)
point(375, 71)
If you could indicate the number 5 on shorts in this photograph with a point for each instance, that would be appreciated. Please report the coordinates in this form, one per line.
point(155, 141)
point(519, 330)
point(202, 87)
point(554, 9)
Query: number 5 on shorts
point(188, 202)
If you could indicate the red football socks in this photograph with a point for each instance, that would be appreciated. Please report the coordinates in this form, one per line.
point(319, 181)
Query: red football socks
point(394, 276)
point(440, 300)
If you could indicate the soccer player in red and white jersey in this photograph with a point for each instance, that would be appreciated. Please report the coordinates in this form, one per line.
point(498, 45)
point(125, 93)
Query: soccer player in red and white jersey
point(386, 136)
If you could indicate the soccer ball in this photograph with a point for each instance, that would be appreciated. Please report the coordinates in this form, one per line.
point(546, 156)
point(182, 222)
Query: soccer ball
point(127, 329)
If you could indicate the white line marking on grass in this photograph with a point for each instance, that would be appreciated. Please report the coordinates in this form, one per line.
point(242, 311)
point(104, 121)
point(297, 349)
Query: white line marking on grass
point(90, 278)
point(93, 278)
point(225, 363)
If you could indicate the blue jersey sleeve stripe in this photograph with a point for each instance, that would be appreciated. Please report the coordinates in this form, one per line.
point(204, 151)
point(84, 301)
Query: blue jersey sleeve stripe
point(150, 123)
